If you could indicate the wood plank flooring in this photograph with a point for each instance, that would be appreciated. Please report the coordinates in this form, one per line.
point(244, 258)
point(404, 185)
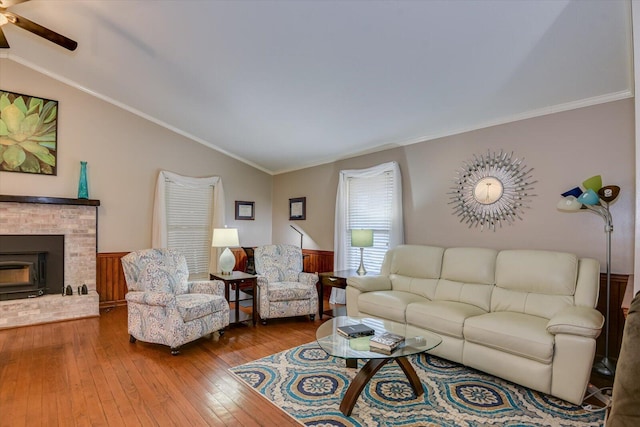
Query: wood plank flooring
point(86, 373)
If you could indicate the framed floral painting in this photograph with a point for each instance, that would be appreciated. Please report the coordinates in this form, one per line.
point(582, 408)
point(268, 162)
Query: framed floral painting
point(28, 134)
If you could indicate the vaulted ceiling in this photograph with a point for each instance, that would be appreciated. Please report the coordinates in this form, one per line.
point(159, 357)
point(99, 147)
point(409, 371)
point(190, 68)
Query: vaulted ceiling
point(284, 85)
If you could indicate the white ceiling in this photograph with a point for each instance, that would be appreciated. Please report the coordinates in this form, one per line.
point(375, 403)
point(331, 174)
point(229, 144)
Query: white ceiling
point(284, 85)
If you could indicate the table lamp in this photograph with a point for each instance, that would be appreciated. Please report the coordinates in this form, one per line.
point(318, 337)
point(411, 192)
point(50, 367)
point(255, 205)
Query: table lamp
point(361, 239)
point(225, 238)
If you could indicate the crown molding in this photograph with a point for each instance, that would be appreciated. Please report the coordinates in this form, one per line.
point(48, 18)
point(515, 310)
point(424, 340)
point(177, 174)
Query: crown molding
point(126, 107)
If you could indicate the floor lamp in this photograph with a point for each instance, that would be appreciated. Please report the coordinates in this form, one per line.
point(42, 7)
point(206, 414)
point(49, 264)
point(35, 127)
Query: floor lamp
point(596, 199)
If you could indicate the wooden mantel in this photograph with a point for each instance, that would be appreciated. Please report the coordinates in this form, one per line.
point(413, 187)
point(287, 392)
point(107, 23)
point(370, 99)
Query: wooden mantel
point(49, 200)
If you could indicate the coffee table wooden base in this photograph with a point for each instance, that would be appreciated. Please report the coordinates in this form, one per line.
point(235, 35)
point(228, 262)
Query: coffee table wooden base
point(368, 371)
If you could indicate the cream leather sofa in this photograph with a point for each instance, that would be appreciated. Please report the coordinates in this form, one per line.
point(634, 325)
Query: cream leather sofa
point(524, 315)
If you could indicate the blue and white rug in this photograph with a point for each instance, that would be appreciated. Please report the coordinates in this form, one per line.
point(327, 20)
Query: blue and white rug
point(309, 385)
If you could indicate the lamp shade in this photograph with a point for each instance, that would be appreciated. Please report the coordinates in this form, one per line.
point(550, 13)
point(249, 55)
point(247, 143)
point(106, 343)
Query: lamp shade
point(589, 197)
point(594, 183)
point(609, 193)
point(225, 238)
point(361, 238)
point(569, 203)
point(575, 192)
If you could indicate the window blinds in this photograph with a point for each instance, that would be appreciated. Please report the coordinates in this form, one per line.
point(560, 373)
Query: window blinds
point(189, 216)
point(370, 207)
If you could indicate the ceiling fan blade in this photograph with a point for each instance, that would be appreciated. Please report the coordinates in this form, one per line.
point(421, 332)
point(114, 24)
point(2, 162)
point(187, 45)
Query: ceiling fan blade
point(38, 29)
point(9, 3)
point(4, 44)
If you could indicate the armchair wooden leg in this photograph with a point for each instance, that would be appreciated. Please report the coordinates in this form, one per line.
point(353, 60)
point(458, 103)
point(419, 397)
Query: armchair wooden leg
point(175, 351)
point(132, 339)
point(221, 332)
point(263, 321)
point(312, 317)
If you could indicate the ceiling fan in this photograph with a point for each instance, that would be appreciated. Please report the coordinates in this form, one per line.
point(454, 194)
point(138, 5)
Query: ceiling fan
point(7, 17)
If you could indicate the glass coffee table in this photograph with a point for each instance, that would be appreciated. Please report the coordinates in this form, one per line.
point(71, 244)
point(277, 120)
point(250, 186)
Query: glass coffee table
point(352, 349)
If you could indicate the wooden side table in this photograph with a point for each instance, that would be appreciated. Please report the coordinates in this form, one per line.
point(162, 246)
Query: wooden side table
point(239, 281)
point(334, 279)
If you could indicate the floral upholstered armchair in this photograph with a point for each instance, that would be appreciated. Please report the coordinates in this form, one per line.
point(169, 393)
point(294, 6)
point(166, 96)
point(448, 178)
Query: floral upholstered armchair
point(164, 307)
point(284, 290)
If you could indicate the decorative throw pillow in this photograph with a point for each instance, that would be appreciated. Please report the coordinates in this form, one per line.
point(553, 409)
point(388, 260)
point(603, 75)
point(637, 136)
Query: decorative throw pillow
point(156, 278)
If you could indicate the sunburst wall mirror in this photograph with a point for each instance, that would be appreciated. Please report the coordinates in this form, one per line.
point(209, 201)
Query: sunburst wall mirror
point(492, 189)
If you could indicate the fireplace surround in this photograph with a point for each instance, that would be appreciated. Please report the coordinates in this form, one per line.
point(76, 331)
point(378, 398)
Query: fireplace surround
point(75, 220)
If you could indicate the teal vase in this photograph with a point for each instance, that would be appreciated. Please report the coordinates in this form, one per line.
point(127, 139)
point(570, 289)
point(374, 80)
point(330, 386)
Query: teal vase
point(83, 189)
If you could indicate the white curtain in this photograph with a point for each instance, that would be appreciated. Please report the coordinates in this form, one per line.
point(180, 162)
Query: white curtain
point(159, 222)
point(341, 243)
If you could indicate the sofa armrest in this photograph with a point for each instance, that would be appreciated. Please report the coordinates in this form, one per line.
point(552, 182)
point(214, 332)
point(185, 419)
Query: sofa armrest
point(370, 283)
point(583, 321)
point(212, 287)
point(162, 299)
point(308, 278)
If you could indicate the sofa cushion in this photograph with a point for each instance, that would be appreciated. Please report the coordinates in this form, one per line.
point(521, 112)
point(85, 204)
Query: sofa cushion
point(441, 317)
point(387, 304)
point(156, 278)
point(474, 294)
point(529, 303)
point(195, 306)
point(160, 277)
point(289, 291)
point(540, 272)
point(540, 283)
point(469, 265)
point(516, 333)
point(418, 261)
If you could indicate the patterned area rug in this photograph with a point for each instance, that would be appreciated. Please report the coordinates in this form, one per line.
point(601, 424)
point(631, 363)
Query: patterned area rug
point(309, 384)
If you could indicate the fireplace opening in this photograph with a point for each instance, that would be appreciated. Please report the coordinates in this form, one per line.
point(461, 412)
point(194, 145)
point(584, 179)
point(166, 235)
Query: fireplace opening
point(23, 275)
point(31, 265)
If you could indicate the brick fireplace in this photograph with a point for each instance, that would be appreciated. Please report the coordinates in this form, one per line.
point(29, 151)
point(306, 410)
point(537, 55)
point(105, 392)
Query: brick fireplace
point(76, 220)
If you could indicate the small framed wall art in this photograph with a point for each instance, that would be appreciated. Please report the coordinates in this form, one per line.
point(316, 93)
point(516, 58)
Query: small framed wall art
point(245, 210)
point(28, 128)
point(297, 208)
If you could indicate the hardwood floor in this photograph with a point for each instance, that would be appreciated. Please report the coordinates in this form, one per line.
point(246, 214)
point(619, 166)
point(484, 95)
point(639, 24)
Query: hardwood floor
point(86, 373)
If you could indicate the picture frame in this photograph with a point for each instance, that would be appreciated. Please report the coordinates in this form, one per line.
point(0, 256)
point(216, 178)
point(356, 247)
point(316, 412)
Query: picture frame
point(245, 210)
point(30, 126)
point(298, 208)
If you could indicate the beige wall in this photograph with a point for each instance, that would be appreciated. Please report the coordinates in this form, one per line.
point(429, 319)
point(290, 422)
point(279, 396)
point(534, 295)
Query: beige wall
point(563, 148)
point(124, 154)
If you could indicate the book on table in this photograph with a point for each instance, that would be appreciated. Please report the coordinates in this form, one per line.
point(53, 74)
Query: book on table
point(355, 331)
point(385, 343)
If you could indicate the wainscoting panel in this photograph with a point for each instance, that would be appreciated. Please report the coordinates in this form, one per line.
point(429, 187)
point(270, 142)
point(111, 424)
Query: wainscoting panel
point(616, 321)
point(316, 261)
point(110, 282)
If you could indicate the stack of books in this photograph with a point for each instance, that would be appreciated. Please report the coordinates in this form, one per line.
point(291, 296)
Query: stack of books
point(386, 343)
point(355, 331)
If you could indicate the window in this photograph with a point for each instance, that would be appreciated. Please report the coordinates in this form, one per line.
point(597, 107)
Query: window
point(185, 212)
point(189, 215)
point(369, 207)
point(369, 199)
